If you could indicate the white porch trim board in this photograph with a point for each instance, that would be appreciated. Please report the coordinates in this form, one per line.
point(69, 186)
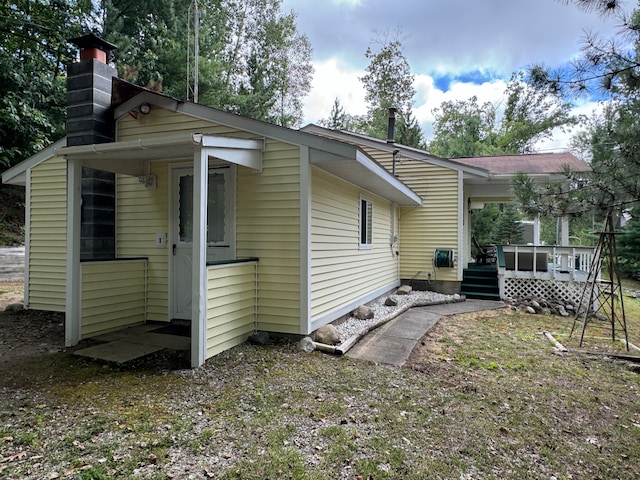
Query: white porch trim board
point(72, 308)
point(27, 237)
point(462, 254)
point(305, 239)
point(199, 270)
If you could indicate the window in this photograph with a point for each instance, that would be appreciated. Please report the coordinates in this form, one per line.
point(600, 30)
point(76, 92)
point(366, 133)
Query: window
point(366, 223)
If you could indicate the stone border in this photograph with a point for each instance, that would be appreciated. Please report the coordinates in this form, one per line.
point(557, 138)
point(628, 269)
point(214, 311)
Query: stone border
point(345, 346)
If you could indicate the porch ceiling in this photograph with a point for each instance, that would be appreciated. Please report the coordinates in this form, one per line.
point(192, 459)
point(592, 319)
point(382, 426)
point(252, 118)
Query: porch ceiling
point(132, 157)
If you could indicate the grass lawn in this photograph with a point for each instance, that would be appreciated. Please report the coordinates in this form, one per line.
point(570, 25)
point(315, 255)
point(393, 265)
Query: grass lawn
point(484, 396)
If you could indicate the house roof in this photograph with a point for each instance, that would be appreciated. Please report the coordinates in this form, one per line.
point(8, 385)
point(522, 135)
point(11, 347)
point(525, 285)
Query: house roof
point(344, 160)
point(404, 150)
point(531, 164)
point(475, 169)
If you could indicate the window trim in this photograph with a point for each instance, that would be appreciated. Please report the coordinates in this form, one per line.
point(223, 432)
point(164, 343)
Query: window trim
point(365, 224)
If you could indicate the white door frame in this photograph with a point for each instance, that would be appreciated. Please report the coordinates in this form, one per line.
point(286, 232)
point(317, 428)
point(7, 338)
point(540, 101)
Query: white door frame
point(223, 250)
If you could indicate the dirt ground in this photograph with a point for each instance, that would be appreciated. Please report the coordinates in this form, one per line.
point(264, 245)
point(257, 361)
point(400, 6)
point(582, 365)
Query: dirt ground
point(41, 335)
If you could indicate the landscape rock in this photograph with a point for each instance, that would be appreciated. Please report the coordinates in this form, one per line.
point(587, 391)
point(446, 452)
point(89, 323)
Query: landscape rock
point(529, 309)
point(536, 306)
point(404, 290)
point(327, 334)
point(391, 302)
point(307, 345)
point(545, 306)
point(259, 338)
point(14, 307)
point(363, 312)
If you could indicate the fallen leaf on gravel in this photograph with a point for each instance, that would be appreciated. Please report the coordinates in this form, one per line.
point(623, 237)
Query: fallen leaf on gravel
point(11, 458)
point(78, 445)
point(208, 472)
point(6, 439)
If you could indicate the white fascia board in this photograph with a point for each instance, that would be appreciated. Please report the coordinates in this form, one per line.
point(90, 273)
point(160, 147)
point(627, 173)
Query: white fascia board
point(241, 151)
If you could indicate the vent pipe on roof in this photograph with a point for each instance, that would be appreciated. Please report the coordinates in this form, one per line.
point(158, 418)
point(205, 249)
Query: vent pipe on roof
point(391, 126)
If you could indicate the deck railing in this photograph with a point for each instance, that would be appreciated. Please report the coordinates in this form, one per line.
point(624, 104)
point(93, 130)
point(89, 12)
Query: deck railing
point(546, 271)
point(547, 262)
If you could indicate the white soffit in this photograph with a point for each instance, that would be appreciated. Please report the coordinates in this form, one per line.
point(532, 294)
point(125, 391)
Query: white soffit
point(360, 170)
point(131, 157)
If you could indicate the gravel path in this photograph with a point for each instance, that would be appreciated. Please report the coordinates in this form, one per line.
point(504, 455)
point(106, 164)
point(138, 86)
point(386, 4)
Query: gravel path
point(353, 328)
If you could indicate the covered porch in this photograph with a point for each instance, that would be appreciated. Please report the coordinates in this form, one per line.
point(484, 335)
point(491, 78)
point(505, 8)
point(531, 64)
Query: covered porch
point(534, 268)
point(113, 294)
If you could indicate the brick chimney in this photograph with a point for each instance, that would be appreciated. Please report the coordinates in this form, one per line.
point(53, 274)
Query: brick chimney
point(90, 120)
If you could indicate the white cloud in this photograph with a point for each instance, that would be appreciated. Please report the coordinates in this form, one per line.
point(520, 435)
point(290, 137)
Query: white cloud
point(332, 80)
point(428, 97)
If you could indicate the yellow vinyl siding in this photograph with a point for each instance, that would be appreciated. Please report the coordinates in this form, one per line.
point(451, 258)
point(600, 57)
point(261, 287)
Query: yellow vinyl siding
point(342, 272)
point(161, 123)
point(267, 219)
point(48, 235)
point(268, 227)
point(434, 225)
point(113, 296)
point(231, 305)
point(141, 213)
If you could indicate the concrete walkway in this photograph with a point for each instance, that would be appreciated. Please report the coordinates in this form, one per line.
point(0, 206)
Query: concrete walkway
point(395, 340)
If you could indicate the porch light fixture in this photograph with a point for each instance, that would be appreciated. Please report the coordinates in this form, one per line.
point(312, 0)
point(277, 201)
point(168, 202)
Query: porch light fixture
point(145, 109)
point(149, 181)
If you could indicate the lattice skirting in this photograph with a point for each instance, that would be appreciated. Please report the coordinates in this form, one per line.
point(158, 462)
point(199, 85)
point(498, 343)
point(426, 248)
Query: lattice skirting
point(549, 289)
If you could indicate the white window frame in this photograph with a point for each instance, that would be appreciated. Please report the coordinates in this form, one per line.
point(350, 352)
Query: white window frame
point(365, 221)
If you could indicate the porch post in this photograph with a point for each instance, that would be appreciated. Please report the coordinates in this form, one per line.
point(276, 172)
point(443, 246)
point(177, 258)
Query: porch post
point(536, 230)
point(72, 304)
point(564, 241)
point(199, 278)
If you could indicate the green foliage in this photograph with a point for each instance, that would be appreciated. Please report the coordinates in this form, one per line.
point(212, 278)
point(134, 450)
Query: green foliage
point(609, 141)
point(33, 54)
point(483, 221)
point(339, 119)
point(463, 129)
point(388, 83)
point(252, 59)
point(629, 250)
point(508, 228)
point(468, 129)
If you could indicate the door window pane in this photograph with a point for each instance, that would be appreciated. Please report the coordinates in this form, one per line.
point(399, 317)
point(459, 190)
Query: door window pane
point(216, 210)
point(185, 208)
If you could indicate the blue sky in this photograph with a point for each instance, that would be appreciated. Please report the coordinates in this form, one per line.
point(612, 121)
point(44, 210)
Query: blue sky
point(456, 48)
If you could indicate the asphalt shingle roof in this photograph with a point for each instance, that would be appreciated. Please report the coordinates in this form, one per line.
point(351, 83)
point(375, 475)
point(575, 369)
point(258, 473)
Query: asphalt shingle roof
point(532, 164)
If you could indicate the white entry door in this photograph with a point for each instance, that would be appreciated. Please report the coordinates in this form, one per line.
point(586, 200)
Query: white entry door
point(220, 229)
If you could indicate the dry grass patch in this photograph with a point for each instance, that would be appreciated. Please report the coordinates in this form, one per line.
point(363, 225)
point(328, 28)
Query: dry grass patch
point(484, 396)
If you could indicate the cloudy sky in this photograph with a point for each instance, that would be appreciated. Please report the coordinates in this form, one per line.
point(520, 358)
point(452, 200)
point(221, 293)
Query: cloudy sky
point(456, 48)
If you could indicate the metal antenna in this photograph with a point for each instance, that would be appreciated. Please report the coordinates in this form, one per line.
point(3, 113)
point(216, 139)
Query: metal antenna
point(601, 295)
point(196, 49)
